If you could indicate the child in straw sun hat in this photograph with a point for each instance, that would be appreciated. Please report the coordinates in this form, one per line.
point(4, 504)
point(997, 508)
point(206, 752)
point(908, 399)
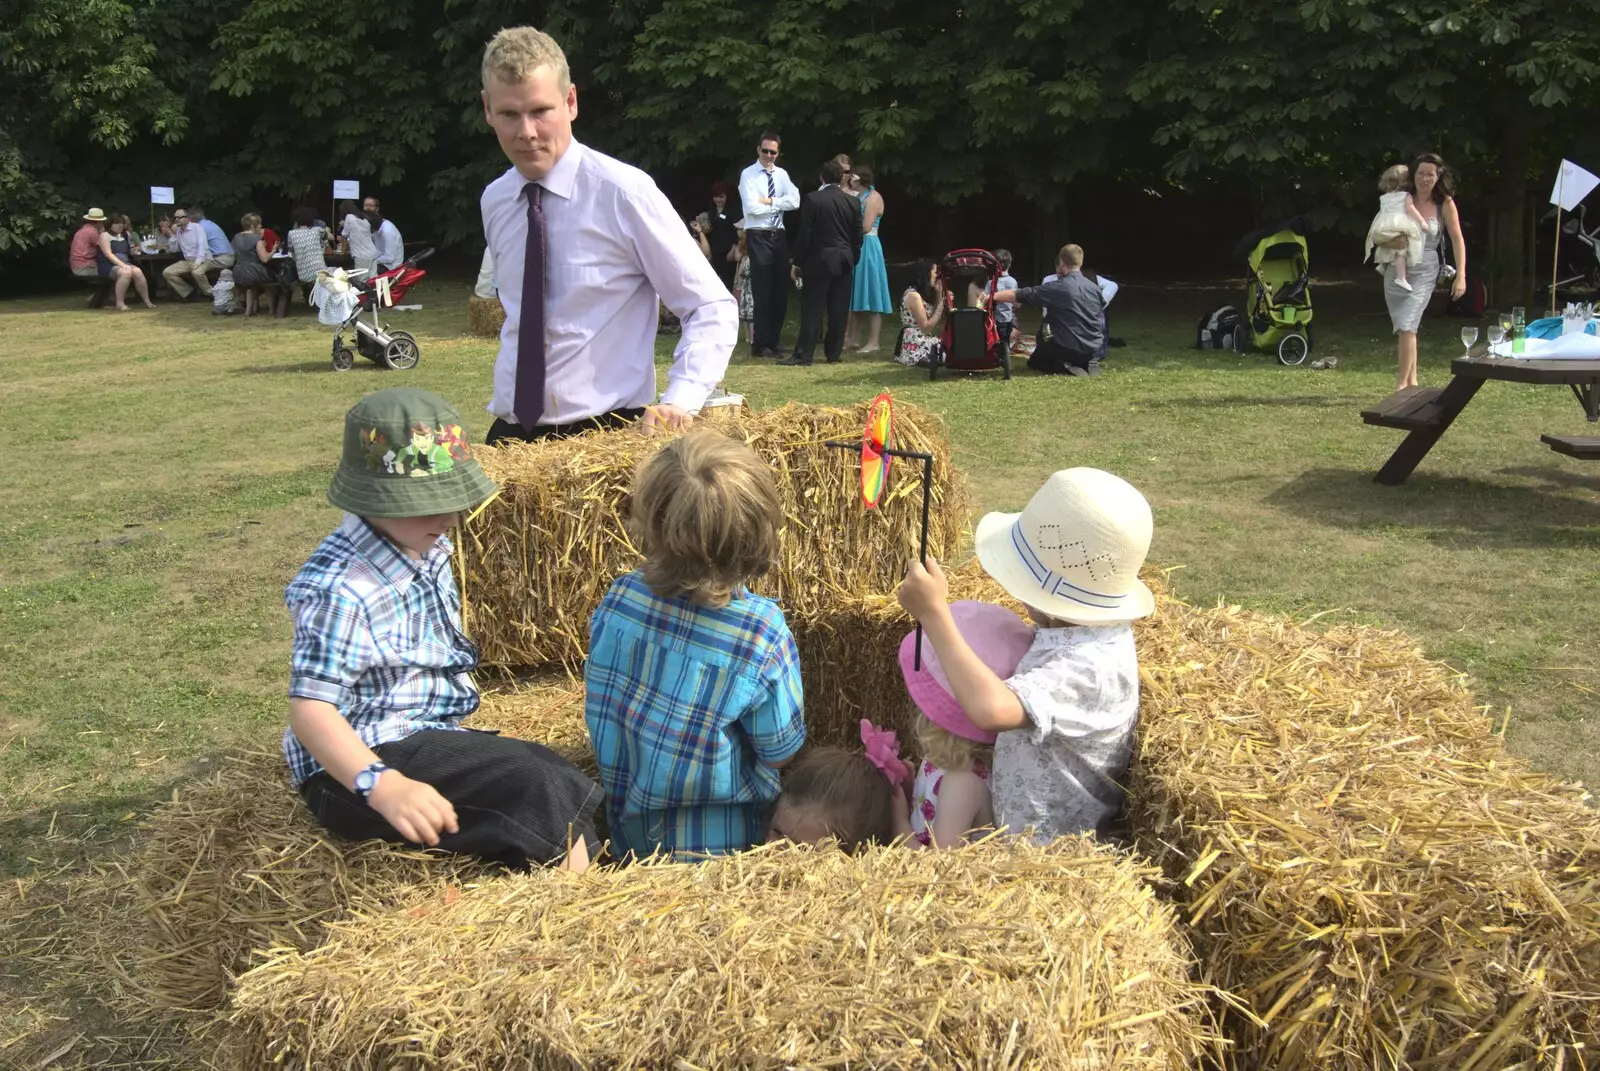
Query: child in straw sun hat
point(951, 796)
point(1066, 716)
point(693, 683)
point(381, 673)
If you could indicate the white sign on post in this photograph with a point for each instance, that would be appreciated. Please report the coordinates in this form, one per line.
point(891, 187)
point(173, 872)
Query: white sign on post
point(347, 189)
point(162, 195)
point(1573, 184)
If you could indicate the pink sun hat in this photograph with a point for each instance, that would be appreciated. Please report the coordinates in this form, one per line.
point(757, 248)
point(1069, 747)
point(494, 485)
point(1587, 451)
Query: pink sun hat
point(996, 635)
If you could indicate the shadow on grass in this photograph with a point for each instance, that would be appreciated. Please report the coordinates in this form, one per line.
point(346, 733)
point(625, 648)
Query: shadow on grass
point(298, 366)
point(1445, 510)
point(1247, 401)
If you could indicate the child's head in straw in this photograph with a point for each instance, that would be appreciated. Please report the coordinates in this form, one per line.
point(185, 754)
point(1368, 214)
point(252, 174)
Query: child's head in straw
point(946, 736)
point(831, 793)
point(706, 515)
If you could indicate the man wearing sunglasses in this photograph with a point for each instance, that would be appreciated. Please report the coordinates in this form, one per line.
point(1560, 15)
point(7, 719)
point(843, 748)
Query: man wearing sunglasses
point(194, 246)
point(767, 194)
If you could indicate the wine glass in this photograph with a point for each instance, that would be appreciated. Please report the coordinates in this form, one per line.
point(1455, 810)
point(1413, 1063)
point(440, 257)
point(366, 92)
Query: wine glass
point(1497, 335)
point(1469, 335)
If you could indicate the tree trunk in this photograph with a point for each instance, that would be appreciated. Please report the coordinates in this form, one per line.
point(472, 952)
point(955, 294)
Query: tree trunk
point(1509, 244)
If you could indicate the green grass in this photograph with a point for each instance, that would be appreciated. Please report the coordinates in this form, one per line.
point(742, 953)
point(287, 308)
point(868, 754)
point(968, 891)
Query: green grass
point(170, 468)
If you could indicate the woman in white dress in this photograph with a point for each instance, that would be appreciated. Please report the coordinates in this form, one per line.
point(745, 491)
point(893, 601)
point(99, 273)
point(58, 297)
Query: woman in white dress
point(1431, 188)
point(922, 309)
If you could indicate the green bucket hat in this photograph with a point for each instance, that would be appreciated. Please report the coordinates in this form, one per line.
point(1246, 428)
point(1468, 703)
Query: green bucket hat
point(406, 455)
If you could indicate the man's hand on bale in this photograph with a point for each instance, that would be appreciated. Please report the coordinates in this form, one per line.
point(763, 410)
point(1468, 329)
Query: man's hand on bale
point(924, 591)
point(665, 416)
point(415, 808)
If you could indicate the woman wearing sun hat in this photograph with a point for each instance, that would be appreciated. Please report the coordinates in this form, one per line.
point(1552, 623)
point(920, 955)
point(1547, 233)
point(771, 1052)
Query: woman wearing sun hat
point(381, 672)
point(1066, 716)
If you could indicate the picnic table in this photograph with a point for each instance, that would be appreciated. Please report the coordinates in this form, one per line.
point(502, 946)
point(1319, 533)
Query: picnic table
point(1427, 412)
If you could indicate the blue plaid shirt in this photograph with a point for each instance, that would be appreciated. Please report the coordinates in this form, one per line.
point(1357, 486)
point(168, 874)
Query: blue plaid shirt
point(378, 635)
point(690, 709)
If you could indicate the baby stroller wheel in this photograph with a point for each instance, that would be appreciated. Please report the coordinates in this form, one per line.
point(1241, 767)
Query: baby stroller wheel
point(344, 359)
point(401, 353)
point(1294, 349)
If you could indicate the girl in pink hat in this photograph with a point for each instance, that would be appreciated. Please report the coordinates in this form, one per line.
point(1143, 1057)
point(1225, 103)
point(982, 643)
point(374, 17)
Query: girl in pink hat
point(950, 799)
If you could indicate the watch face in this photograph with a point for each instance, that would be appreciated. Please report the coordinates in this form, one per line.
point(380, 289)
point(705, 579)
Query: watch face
point(365, 780)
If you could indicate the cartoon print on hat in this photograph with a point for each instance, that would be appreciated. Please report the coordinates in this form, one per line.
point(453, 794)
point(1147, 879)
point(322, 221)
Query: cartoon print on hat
point(431, 470)
point(1074, 552)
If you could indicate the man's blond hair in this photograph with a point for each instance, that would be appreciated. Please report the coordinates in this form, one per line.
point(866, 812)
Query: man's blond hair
point(514, 53)
point(706, 515)
point(1071, 256)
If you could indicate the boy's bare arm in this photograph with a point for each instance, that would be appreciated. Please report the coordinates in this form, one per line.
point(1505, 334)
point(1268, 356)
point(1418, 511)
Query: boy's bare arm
point(415, 809)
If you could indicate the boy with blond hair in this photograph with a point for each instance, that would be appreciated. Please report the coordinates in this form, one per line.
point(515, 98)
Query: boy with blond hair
point(693, 682)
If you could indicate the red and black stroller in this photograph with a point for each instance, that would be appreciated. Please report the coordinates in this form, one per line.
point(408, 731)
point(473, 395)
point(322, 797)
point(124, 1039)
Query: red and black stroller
point(971, 340)
point(374, 340)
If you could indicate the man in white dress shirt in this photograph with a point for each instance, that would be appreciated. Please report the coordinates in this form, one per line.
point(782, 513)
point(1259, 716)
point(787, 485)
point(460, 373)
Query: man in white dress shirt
point(582, 247)
point(767, 194)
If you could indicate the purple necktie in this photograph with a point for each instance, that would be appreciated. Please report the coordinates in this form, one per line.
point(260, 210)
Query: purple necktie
point(529, 402)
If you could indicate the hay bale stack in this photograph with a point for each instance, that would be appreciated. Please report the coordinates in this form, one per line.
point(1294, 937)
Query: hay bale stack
point(849, 659)
point(485, 316)
point(1360, 860)
point(537, 560)
point(235, 863)
point(992, 956)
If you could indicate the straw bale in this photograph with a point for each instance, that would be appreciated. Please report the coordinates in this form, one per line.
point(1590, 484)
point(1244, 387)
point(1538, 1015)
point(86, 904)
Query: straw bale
point(235, 862)
point(1359, 859)
point(995, 955)
point(849, 660)
point(537, 560)
point(485, 316)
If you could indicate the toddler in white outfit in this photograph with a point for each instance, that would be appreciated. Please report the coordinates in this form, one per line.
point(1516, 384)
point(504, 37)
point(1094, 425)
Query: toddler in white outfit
point(1066, 716)
point(1397, 218)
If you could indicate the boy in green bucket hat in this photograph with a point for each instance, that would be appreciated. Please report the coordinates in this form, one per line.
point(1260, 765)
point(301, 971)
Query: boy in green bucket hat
point(381, 673)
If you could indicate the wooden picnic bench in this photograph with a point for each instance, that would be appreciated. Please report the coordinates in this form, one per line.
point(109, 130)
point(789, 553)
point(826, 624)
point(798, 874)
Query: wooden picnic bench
point(1426, 413)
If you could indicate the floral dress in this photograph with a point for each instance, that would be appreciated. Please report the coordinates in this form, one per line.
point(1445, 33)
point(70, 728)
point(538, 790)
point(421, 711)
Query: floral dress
point(747, 297)
point(915, 347)
point(925, 798)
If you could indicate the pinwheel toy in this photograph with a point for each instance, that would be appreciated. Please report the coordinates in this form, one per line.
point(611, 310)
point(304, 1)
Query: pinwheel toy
point(876, 447)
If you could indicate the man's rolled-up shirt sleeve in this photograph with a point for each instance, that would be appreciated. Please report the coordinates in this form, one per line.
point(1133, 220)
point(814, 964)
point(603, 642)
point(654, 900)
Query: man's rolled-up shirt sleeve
point(689, 287)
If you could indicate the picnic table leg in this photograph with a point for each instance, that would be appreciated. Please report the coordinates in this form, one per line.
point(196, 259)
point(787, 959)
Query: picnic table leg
point(1416, 445)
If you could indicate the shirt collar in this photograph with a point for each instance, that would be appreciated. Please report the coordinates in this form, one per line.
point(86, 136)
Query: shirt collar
point(563, 177)
point(389, 560)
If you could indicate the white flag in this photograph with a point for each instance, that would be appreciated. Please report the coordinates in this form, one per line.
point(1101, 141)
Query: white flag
point(1573, 184)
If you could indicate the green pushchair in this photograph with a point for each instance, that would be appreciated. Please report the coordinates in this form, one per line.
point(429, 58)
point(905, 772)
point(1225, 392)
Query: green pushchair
point(1277, 293)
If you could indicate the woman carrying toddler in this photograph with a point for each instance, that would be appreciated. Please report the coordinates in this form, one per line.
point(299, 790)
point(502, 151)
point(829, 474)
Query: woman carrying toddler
point(1065, 718)
point(694, 696)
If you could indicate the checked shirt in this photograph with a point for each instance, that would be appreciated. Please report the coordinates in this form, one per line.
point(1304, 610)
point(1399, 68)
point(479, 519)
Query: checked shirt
point(690, 710)
point(378, 635)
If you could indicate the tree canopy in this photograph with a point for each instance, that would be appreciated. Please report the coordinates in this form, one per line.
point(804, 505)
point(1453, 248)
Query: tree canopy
point(1302, 103)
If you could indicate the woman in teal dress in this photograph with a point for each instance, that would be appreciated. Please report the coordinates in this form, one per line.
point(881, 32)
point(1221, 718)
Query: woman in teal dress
point(869, 295)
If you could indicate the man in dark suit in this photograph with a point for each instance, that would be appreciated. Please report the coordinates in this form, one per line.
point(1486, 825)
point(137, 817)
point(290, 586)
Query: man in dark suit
point(826, 246)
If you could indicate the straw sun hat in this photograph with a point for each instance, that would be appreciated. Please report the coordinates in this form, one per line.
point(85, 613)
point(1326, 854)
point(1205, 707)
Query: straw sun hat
point(1074, 552)
point(94, 215)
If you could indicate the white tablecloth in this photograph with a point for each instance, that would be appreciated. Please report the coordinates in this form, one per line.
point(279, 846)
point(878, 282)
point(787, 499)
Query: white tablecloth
point(1578, 347)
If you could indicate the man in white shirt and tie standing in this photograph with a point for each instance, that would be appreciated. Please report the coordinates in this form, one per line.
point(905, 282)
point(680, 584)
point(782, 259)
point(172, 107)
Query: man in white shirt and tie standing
point(582, 247)
point(767, 193)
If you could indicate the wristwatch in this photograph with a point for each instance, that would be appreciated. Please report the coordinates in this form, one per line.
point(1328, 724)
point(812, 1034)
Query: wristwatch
point(367, 780)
